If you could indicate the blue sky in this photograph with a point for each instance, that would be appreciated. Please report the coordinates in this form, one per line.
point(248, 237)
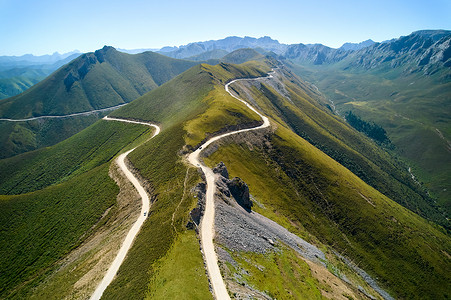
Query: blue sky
point(45, 26)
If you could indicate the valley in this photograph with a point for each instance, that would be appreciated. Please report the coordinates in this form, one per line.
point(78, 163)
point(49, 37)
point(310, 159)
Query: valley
point(217, 172)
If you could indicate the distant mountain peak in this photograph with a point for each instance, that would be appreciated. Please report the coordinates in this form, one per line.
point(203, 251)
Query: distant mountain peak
point(357, 46)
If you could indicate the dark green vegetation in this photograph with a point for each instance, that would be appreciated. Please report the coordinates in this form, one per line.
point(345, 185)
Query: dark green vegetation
point(178, 106)
point(19, 73)
point(311, 172)
point(371, 130)
point(289, 176)
point(404, 87)
point(295, 105)
point(20, 137)
point(68, 192)
point(90, 148)
point(92, 81)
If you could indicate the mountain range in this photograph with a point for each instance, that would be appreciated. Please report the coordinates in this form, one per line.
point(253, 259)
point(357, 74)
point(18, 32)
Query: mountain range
point(18, 73)
point(310, 206)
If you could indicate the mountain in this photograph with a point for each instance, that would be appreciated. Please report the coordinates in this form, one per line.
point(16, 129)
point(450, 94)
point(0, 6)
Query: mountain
point(401, 85)
point(242, 55)
point(228, 44)
point(92, 81)
point(309, 172)
point(212, 54)
point(136, 51)
point(30, 59)
point(422, 51)
point(357, 46)
point(96, 80)
point(17, 76)
point(316, 54)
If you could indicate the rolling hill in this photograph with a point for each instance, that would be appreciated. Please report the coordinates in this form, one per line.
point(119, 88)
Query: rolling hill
point(287, 175)
point(102, 79)
point(376, 231)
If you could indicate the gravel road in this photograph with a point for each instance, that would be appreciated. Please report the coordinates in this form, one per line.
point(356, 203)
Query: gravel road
point(126, 245)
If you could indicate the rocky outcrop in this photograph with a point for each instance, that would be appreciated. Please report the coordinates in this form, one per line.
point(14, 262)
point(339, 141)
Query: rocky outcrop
point(221, 169)
point(240, 191)
point(235, 187)
point(197, 213)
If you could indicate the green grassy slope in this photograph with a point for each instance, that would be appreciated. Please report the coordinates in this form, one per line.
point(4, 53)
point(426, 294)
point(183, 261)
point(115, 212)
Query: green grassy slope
point(412, 108)
point(68, 191)
point(96, 80)
point(90, 148)
point(312, 121)
point(294, 180)
point(320, 198)
point(297, 184)
point(17, 84)
point(178, 106)
point(20, 137)
point(242, 55)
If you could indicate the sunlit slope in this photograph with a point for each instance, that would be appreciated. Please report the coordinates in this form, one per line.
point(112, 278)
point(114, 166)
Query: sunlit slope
point(189, 108)
point(95, 80)
point(69, 197)
point(291, 169)
point(297, 183)
point(288, 175)
point(303, 110)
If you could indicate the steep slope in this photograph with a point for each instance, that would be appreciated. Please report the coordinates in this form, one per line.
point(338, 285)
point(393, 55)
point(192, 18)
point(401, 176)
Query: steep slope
point(92, 81)
point(402, 85)
point(315, 54)
point(16, 77)
point(285, 173)
point(298, 184)
point(96, 80)
point(72, 198)
point(291, 182)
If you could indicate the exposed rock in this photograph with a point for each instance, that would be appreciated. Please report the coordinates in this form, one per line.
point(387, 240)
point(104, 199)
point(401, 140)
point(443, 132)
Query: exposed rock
point(240, 191)
point(221, 169)
point(240, 229)
point(197, 213)
point(236, 187)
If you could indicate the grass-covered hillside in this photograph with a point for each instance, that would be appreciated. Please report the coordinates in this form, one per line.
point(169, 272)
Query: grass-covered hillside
point(414, 110)
point(17, 74)
point(63, 195)
point(96, 80)
point(310, 172)
point(298, 184)
point(92, 81)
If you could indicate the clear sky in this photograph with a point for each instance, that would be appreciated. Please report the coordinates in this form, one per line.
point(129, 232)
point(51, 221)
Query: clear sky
point(45, 26)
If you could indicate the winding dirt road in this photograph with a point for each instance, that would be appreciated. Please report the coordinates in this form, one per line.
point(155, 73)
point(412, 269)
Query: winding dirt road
point(207, 225)
point(86, 113)
point(112, 270)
